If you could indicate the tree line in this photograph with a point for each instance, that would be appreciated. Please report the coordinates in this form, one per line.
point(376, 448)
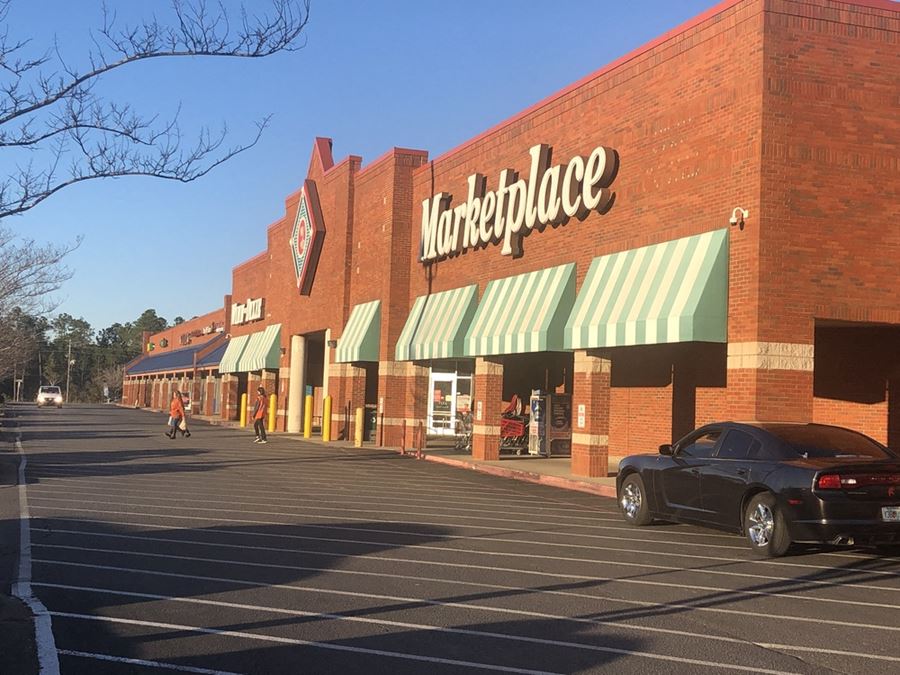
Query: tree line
point(68, 352)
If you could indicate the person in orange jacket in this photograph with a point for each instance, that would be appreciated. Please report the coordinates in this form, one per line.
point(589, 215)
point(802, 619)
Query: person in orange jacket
point(176, 416)
point(259, 416)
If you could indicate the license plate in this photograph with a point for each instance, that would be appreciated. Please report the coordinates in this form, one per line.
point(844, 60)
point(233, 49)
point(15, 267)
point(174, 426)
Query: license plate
point(891, 513)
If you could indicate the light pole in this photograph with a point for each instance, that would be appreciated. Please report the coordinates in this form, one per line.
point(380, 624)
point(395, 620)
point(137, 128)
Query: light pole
point(69, 363)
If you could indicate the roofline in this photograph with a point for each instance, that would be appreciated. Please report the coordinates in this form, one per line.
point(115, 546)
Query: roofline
point(675, 32)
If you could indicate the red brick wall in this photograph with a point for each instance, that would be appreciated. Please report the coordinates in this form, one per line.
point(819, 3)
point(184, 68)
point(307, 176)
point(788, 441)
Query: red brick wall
point(830, 244)
point(173, 334)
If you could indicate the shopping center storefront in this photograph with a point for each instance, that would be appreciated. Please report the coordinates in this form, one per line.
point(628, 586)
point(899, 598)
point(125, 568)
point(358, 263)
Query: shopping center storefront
point(703, 230)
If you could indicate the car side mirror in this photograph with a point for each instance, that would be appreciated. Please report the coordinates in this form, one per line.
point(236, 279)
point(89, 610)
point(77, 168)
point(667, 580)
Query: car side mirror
point(666, 449)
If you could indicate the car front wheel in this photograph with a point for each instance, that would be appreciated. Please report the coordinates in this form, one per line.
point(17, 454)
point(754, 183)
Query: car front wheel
point(633, 501)
point(765, 528)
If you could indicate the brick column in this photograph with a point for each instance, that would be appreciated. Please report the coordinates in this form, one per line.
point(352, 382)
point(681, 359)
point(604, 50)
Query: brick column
point(348, 391)
point(403, 391)
point(196, 385)
point(284, 386)
point(210, 386)
point(590, 439)
point(488, 394)
point(230, 400)
point(771, 381)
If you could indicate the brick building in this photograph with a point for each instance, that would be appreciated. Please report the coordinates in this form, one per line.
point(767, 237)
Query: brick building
point(707, 228)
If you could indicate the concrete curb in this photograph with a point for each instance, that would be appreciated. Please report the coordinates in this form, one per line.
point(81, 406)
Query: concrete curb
point(527, 476)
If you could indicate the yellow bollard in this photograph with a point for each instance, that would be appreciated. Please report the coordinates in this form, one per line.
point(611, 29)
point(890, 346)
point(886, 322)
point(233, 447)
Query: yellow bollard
point(326, 420)
point(307, 416)
point(273, 402)
point(358, 431)
point(243, 410)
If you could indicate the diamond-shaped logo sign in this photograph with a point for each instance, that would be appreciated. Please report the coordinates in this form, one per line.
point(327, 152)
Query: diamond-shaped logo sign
point(307, 237)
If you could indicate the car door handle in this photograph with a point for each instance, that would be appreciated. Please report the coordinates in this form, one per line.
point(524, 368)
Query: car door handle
point(742, 472)
point(695, 471)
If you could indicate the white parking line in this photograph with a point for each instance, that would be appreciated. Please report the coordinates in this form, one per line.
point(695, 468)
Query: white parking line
point(555, 558)
point(48, 662)
point(529, 542)
point(329, 497)
point(188, 481)
point(515, 589)
point(143, 662)
point(408, 515)
point(428, 659)
point(729, 592)
point(303, 643)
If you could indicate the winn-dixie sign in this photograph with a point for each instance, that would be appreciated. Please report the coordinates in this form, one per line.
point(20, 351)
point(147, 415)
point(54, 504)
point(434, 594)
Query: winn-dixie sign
point(550, 196)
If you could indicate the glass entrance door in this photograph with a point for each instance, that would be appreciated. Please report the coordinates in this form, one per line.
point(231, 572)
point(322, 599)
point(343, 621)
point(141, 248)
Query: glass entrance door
point(442, 403)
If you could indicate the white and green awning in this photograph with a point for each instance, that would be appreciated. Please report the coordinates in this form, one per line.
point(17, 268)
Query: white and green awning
point(362, 334)
point(676, 291)
point(263, 350)
point(437, 325)
point(232, 355)
point(525, 313)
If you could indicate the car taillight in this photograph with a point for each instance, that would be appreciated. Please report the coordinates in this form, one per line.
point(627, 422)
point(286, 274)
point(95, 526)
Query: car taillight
point(829, 481)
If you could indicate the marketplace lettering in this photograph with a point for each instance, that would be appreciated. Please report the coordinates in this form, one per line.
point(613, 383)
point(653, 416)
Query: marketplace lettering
point(550, 196)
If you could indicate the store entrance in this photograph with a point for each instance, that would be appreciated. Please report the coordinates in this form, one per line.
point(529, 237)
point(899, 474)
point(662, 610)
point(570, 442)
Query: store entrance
point(450, 389)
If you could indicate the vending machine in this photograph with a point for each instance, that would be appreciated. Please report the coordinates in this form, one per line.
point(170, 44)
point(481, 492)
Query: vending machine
point(537, 425)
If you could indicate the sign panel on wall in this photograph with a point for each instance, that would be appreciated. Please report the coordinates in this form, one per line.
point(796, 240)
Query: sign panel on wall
point(550, 195)
point(307, 237)
point(245, 312)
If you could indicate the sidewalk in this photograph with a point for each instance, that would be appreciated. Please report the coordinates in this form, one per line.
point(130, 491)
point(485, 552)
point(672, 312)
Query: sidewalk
point(554, 472)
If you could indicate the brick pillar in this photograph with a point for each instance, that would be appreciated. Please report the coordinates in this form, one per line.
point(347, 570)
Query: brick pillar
point(590, 439)
point(348, 391)
point(209, 385)
point(196, 385)
point(403, 391)
point(771, 381)
point(230, 399)
point(488, 386)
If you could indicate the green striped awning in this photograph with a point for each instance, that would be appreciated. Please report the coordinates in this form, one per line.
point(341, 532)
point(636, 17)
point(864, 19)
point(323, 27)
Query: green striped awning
point(437, 325)
point(676, 291)
point(525, 313)
point(232, 355)
point(263, 351)
point(362, 334)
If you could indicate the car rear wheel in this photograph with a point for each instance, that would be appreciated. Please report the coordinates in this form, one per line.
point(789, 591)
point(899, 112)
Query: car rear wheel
point(633, 501)
point(765, 528)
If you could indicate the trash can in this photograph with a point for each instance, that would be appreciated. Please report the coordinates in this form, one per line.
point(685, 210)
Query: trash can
point(370, 423)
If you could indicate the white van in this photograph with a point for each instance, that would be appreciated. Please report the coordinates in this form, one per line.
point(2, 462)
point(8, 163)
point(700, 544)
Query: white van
point(49, 396)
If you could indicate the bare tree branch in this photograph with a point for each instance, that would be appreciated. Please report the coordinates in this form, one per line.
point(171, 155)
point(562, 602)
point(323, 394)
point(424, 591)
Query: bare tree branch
point(50, 109)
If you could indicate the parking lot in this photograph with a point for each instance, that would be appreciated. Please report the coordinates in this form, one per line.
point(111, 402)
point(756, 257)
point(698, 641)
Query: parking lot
point(212, 554)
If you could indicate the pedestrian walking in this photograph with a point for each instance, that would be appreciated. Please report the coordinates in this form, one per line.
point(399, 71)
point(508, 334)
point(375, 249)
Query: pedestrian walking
point(176, 414)
point(259, 416)
point(182, 426)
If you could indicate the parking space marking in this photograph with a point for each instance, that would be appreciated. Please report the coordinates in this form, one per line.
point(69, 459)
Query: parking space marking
point(143, 662)
point(608, 650)
point(48, 662)
point(517, 589)
point(303, 643)
point(535, 556)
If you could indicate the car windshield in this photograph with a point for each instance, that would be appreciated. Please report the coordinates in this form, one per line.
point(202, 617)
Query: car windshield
point(49, 390)
point(810, 441)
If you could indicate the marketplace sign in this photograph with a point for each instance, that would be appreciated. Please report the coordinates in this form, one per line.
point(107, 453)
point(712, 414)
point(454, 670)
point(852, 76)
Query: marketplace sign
point(550, 196)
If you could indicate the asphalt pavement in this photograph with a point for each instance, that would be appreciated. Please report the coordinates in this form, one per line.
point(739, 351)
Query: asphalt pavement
point(214, 554)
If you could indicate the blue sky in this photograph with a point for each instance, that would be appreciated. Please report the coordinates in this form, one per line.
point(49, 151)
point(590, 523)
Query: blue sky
point(419, 74)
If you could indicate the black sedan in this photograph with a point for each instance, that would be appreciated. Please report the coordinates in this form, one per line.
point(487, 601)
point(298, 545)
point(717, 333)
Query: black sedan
point(776, 483)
